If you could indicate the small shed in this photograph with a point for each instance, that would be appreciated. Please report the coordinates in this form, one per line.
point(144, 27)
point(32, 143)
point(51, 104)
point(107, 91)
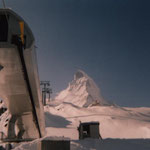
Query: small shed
point(48, 144)
point(89, 130)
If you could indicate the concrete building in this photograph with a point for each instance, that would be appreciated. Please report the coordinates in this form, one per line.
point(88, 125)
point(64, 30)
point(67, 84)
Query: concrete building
point(19, 84)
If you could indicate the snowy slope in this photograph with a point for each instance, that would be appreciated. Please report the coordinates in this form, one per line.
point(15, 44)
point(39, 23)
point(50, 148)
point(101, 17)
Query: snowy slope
point(82, 91)
point(121, 128)
point(115, 122)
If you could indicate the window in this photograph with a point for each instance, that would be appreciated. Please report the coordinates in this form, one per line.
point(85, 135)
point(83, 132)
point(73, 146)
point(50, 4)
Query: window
point(3, 28)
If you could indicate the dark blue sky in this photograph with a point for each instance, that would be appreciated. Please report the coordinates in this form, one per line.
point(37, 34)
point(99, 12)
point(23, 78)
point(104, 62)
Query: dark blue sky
point(108, 39)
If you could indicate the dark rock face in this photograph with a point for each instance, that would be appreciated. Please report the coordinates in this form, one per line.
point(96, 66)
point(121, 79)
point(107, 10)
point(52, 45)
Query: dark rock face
point(2, 110)
point(1, 67)
point(79, 75)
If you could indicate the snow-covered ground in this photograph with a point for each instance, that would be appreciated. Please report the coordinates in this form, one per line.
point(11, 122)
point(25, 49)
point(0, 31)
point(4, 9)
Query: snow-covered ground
point(121, 128)
point(115, 122)
point(95, 144)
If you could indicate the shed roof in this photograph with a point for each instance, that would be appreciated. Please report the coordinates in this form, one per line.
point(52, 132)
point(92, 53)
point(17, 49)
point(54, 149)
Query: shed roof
point(90, 123)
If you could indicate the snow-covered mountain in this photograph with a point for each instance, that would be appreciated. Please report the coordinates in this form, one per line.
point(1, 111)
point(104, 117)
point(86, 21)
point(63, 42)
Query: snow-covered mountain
point(72, 106)
point(82, 91)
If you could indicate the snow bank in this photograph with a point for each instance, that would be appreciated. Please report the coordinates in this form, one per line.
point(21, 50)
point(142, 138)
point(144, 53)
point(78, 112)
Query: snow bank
point(95, 144)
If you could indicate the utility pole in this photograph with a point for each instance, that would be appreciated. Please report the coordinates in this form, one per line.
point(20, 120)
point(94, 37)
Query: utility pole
point(46, 90)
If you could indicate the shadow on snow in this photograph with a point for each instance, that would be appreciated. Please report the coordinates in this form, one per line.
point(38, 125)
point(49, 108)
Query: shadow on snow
point(112, 144)
point(55, 121)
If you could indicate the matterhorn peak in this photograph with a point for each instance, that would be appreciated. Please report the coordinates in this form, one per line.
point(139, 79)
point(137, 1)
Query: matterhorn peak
point(80, 74)
point(82, 91)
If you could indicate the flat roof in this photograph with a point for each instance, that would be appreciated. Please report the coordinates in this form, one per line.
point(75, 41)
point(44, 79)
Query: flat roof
point(90, 123)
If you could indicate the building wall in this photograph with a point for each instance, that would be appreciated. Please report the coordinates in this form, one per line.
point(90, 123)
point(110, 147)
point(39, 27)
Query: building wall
point(94, 131)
